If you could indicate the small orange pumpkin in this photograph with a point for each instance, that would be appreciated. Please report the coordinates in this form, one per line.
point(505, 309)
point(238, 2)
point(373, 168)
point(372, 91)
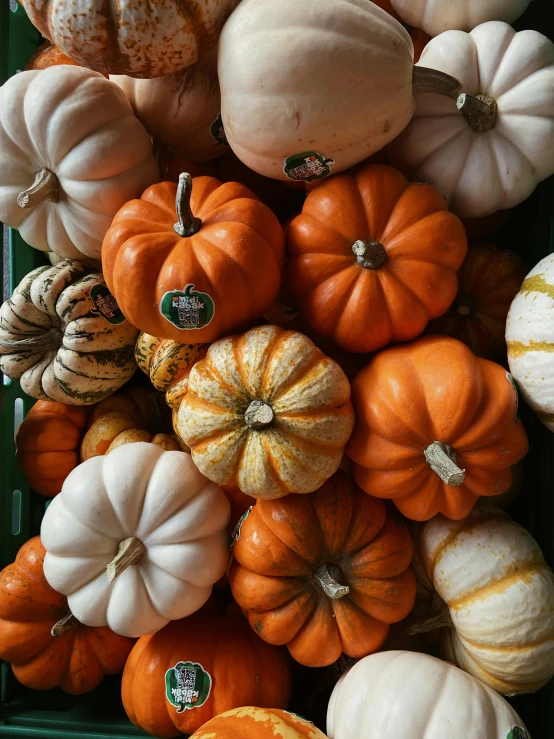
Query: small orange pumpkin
point(250, 722)
point(48, 55)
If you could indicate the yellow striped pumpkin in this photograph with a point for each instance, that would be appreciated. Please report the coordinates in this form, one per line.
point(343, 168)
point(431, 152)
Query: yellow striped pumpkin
point(63, 336)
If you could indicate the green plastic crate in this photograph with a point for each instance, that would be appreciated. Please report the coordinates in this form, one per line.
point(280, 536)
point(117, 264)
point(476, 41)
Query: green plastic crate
point(55, 715)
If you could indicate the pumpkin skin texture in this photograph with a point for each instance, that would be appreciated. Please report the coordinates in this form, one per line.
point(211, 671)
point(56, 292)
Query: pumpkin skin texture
point(284, 550)
point(434, 390)
point(485, 161)
point(63, 336)
point(224, 647)
point(249, 722)
point(266, 412)
point(405, 695)
point(233, 261)
point(94, 159)
point(497, 595)
point(77, 658)
point(48, 56)
point(372, 258)
point(175, 551)
point(488, 281)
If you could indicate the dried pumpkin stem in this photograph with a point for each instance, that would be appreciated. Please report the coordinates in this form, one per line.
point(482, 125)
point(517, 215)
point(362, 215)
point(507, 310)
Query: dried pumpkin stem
point(369, 254)
point(326, 577)
point(258, 415)
point(437, 617)
point(432, 80)
point(187, 224)
point(480, 111)
point(465, 305)
point(45, 187)
point(47, 340)
point(64, 624)
point(442, 460)
point(129, 553)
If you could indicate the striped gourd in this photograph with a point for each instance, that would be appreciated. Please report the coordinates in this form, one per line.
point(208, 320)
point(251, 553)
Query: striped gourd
point(63, 336)
point(530, 339)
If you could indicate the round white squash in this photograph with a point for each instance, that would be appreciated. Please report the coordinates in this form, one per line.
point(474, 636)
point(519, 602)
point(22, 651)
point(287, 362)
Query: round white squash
point(71, 154)
point(492, 152)
point(404, 695)
point(136, 539)
point(63, 336)
point(530, 340)
point(494, 598)
point(437, 16)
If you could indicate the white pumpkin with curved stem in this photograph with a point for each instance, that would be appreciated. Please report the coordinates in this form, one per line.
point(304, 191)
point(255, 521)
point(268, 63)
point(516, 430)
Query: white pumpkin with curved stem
point(135, 539)
point(492, 152)
point(71, 154)
point(405, 695)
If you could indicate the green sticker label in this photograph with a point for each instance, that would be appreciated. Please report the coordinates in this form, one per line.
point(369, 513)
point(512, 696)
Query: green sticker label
point(236, 531)
point(105, 305)
point(187, 309)
point(307, 166)
point(217, 132)
point(187, 686)
point(513, 384)
point(517, 732)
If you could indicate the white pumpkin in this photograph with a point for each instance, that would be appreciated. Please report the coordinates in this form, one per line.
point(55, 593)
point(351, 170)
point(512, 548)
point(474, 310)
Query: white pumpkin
point(71, 154)
point(530, 340)
point(405, 695)
point(437, 16)
point(136, 539)
point(491, 153)
point(495, 599)
point(63, 336)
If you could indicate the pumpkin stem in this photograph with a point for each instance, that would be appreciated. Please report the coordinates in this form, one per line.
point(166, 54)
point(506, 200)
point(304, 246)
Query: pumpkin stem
point(432, 80)
point(369, 254)
point(64, 624)
point(442, 460)
point(258, 415)
point(465, 305)
point(45, 187)
point(327, 576)
point(187, 224)
point(49, 340)
point(437, 617)
point(129, 553)
point(479, 111)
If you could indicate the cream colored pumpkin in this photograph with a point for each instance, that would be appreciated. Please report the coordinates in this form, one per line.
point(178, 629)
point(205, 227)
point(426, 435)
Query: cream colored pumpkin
point(135, 539)
point(266, 412)
point(437, 16)
point(496, 594)
point(404, 695)
point(492, 152)
point(530, 340)
point(71, 154)
point(63, 336)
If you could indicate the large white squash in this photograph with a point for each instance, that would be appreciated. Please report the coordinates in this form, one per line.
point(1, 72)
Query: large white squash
point(71, 154)
point(487, 149)
point(136, 539)
point(405, 695)
point(530, 340)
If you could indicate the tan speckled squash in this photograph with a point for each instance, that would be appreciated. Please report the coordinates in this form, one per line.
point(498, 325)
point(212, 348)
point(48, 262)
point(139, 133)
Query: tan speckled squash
point(267, 412)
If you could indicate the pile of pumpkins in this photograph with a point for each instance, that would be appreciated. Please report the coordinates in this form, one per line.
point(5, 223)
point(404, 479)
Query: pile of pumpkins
point(265, 206)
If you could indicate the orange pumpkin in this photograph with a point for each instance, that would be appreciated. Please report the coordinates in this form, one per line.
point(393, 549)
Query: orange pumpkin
point(229, 666)
point(171, 165)
point(46, 645)
point(240, 503)
point(420, 40)
point(324, 573)
point(436, 427)
point(373, 257)
point(193, 281)
point(487, 226)
point(48, 444)
point(250, 722)
point(48, 55)
point(488, 281)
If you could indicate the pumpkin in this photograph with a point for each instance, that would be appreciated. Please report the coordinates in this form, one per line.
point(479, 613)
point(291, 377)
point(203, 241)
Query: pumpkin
point(323, 574)
point(139, 39)
point(488, 281)
point(249, 722)
point(71, 154)
point(488, 148)
point(171, 166)
point(415, 696)
point(47, 444)
point(372, 258)
point(181, 110)
point(479, 229)
point(63, 336)
point(143, 546)
point(48, 56)
point(240, 504)
point(266, 412)
point(45, 643)
point(332, 104)
point(494, 598)
point(530, 339)
point(437, 16)
point(223, 661)
point(436, 427)
point(214, 270)
point(419, 38)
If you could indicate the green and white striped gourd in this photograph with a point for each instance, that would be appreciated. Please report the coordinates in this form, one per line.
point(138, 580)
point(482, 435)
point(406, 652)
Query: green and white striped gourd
point(63, 336)
point(530, 339)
